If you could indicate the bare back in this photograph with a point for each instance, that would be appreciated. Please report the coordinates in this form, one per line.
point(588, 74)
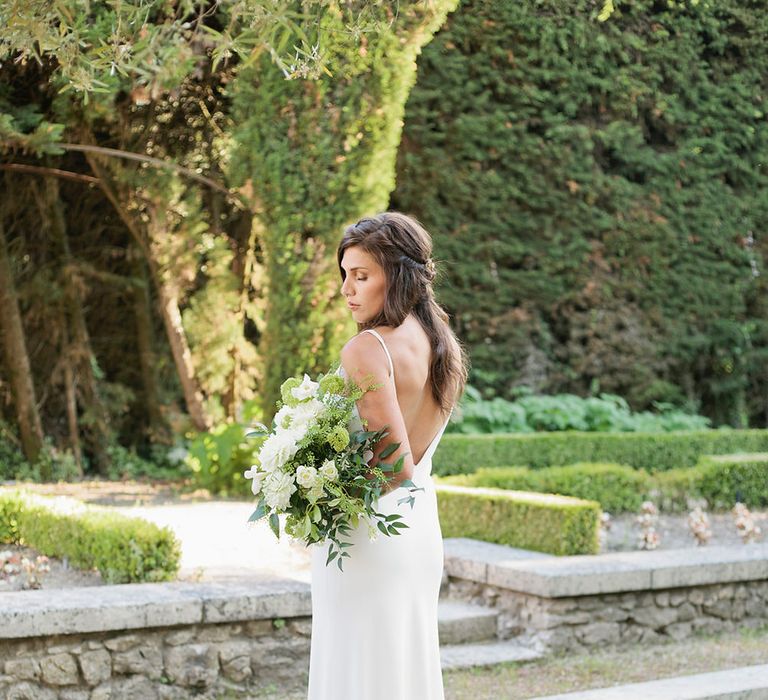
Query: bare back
point(411, 352)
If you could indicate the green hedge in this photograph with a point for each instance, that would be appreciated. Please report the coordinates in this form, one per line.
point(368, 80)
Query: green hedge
point(721, 480)
point(726, 479)
point(542, 522)
point(618, 488)
point(123, 549)
point(463, 454)
point(615, 157)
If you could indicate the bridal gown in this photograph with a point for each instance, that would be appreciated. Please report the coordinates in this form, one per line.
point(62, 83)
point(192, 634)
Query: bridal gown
point(374, 624)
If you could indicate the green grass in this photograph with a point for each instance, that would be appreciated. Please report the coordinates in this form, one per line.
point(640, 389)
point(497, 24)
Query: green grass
point(603, 668)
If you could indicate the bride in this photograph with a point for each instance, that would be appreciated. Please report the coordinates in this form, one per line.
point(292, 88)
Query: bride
point(374, 624)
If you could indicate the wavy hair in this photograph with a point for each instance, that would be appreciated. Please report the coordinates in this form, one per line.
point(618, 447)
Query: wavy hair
point(403, 248)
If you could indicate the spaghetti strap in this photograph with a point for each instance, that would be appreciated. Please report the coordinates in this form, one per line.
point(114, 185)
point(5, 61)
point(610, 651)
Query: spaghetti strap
point(384, 345)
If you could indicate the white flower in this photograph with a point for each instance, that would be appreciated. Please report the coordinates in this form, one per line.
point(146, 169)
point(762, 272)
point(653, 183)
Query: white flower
point(278, 449)
point(373, 532)
point(306, 476)
point(367, 456)
point(307, 412)
point(329, 471)
point(316, 492)
point(306, 389)
point(278, 488)
point(257, 476)
point(283, 418)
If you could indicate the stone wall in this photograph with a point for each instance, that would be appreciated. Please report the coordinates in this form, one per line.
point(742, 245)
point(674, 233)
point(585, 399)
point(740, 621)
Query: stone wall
point(570, 603)
point(577, 622)
point(121, 643)
point(203, 661)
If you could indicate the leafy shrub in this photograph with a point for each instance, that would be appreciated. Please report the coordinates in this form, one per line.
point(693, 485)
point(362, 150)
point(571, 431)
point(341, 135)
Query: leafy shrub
point(219, 457)
point(52, 464)
point(123, 549)
point(535, 413)
point(126, 464)
point(545, 523)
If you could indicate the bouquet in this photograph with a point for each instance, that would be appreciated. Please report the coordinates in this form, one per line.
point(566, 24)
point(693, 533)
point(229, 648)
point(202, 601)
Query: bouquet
point(314, 466)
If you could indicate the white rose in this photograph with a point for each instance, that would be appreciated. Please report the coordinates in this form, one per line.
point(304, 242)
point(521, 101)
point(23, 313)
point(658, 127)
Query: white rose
point(257, 476)
point(306, 476)
point(316, 492)
point(306, 389)
point(329, 470)
point(278, 488)
point(307, 412)
point(278, 449)
point(283, 418)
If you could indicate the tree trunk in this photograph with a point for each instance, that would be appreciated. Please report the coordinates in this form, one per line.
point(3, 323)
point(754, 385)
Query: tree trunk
point(168, 303)
point(17, 360)
point(243, 241)
point(97, 429)
point(70, 397)
point(157, 430)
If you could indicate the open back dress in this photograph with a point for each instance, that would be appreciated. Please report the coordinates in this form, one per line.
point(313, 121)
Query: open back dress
point(374, 624)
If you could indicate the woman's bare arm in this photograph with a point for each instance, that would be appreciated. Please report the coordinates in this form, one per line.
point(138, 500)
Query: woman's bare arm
point(365, 361)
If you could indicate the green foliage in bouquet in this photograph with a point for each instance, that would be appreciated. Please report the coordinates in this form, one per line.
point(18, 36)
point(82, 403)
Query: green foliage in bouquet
point(314, 466)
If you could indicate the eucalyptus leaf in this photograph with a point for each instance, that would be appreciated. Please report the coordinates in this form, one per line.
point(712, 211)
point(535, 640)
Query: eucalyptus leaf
point(274, 523)
point(259, 513)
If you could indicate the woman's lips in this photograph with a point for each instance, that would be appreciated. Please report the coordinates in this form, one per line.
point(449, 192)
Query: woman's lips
point(353, 306)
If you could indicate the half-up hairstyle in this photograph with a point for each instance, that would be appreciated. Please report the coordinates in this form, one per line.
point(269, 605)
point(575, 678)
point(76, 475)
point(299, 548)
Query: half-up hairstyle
point(403, 248)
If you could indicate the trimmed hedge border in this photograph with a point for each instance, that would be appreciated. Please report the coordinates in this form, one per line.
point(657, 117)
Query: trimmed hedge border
point(654, 452)
point(721, 480)
point(123, 549)
point(617, 487)
point(542, 522)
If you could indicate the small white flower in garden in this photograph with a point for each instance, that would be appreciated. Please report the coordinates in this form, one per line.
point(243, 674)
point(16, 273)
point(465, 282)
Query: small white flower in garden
point(748, 530)
point(373, 532)
point(649, 538)
point(329, 470)
point(277, 450)
point(306, 389)
point(698, 522)
point(257, 476)
point(306, 476)
point(278, 488)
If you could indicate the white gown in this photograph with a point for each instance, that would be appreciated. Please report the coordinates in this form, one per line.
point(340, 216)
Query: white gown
point(374, 624)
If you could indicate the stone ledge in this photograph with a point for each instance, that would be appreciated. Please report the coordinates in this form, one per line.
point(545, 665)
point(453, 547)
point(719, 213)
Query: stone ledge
point(145, 605)
point(556, 577)
point(742, 683)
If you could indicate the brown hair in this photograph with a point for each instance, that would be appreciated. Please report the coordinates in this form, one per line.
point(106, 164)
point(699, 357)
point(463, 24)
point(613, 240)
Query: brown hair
point(402, 246)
